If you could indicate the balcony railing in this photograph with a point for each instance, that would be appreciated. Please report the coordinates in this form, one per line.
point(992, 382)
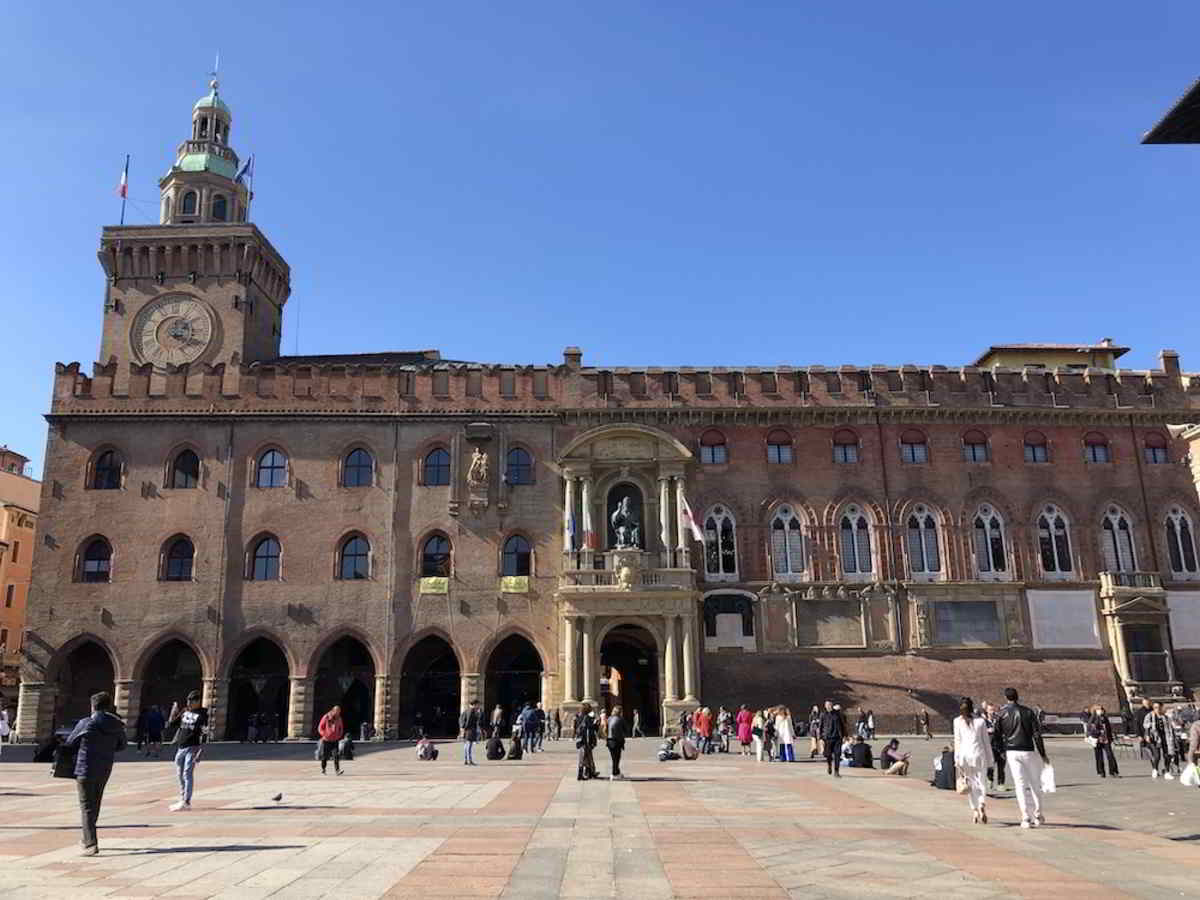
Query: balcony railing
point(595, 570)
point(1153, 667)
point(1134, 580)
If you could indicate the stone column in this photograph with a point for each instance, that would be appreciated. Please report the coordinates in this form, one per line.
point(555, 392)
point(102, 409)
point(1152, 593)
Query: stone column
point(215, 698)
point(685, 534)
point(589, 534)
point(548, 702)
point(35, 710)
point(568, 511)
point(383, 725)
point(664, 518)
point(300, 709)
point(128, 703)
point(471, 688)
point(570, 682)
point(589, 660)
point(669, 663)
point(689, 659)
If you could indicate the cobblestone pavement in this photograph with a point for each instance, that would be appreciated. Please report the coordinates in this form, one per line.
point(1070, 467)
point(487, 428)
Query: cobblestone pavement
point(719, 827)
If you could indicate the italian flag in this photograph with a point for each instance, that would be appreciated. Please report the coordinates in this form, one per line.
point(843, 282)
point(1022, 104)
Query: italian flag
point(123, 187)
point(689, 521)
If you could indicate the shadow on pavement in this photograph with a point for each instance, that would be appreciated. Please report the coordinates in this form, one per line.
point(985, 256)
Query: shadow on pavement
point(223, 848)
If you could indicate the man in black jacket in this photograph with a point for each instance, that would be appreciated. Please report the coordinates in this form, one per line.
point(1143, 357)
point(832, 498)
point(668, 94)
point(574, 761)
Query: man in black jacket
point(833, 732)
point(99, 738)
point(1025, 754)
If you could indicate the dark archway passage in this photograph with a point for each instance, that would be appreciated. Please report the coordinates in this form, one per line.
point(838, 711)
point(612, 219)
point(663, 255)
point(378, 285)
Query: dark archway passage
point(87, 670)
point(345, 677)
point(630, 653)
point(172, 672)
point(259, 685)
point(513, 677)
point(430, 684)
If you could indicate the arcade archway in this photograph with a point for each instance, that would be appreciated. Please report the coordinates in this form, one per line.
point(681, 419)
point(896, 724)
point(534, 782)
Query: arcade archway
point(430, 685)
point(345, 677)
point(86, 670)
point(259, 686)
point(172, 672)
point(629, 675)
point(513, 677)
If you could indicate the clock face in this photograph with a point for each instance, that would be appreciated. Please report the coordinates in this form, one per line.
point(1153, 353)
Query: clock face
point(171, 331)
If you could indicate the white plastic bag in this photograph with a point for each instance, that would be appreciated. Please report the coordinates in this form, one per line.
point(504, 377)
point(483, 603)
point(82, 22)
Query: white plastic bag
point(1190, 776)
point(1048, 785)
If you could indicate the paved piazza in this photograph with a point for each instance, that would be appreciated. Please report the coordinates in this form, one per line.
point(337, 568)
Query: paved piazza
point(718, 827)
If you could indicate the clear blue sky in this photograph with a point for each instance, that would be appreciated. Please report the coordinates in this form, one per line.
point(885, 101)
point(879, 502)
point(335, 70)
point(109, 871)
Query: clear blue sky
point(659, 183)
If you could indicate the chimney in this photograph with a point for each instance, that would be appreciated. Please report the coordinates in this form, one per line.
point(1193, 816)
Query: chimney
point(572, 357)
point(1168, 361)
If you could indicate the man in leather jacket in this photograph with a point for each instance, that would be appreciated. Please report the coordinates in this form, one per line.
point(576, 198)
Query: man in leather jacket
point(1025, 754)
point(833, 732)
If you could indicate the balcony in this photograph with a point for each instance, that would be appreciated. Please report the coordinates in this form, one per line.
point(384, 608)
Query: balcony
point(606, 571)
point(1110, 582)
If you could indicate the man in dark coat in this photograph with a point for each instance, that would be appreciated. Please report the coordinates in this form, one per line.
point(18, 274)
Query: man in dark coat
point(469, 724)
point(99, 738)
point(833, 732)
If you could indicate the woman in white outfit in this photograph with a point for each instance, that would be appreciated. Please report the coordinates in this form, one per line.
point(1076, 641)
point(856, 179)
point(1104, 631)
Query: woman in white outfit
point(973, 756)
point(785, 735)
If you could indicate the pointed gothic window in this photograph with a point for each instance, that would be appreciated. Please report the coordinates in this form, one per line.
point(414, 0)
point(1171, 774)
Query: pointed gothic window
point(988, 543)
point(1116, 541)
point(436, 469)
point(787, 544)
point(720, 545)
point(1181, 547)
point(1054, 542)
point(517, 556)
point(178, 564)
point(354, 562)
point(106, 472)
point(435, 557)
point(185, 470)
point(519, 468)
point(272, 470)
point(358, 470)
point(855, 541)
point(96, 565)
point(924, 558)
point(264, 562)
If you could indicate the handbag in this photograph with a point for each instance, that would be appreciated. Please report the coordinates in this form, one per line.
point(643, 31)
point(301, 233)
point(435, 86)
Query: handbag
point(64, 761)
point(960, 785)
point(1190, 777)
point(1048, 785)
point(1091, 742)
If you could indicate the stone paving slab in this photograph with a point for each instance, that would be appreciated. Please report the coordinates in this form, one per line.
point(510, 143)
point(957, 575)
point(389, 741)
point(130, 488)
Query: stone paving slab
point(723, 826)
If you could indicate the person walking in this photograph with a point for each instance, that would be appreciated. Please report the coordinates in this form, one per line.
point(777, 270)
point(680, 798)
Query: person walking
point(527, 722)
point(637, 724)
point(541, 728)
point(1139, 725)
point(615, 741)
point(469, 724)
point(814, 732)
point(871, 724)
point(785, 735)
point(497, 720)
point(724, 728)
point(1100, 736)
point(833, 732)
point(925, 728)
point(973, 756)
point(585, 740)
point(98, 737)
point(1160, 737)
point(192, 720)
point(154, 723)
point(704, 728)
point(745, 728)
point(861, 729)
point(331, 728)
point(1025, 753)
point(557, 724)
point(758, 726)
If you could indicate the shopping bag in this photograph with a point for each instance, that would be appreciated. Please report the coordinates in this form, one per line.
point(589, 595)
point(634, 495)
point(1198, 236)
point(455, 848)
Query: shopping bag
point(1190, 776)
point(960, 784)
point(1091, 742)
point(64, 761)
point(1048, 785)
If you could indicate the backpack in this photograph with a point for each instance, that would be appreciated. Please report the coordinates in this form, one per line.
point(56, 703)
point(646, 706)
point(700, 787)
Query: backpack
point(495, 749)
point(688, 749)
point(514, 752)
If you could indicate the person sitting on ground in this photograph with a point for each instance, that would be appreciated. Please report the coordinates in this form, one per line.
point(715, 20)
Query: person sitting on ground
point(494, 749)
point(848, 751)
point(426, 751)
point(666, 750)
point(891, 760)
point(943, 770)
point(860, 754)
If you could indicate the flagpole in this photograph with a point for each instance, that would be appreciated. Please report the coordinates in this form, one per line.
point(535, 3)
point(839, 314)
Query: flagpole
point(124, 188)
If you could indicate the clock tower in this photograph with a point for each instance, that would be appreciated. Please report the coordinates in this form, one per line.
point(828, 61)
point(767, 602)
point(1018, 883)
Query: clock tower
point(203, 286)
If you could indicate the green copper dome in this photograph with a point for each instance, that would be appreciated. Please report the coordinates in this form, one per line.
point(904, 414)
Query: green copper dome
point(211, 100)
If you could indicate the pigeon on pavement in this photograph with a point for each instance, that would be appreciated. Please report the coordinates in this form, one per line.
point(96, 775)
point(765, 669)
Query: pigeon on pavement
point(277, 797)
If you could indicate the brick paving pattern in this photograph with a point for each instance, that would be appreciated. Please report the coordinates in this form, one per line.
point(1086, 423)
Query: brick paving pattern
point(722, 826)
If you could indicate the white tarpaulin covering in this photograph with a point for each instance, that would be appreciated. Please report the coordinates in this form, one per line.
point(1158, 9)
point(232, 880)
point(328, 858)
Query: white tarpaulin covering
point(1185, 619)
point(1064, 619)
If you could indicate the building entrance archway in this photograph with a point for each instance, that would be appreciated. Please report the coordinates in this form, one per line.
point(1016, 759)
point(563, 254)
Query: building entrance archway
point(172, 672)
point(629, 675)
point(259, 685)
point(345, 677)
point(513, 677)
point(86, 670)
point(430, 689)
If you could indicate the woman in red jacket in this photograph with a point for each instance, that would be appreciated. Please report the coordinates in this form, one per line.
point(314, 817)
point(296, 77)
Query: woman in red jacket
point(331, 729)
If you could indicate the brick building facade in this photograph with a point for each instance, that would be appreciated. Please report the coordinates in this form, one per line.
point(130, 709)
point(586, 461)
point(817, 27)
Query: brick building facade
point(401, 533)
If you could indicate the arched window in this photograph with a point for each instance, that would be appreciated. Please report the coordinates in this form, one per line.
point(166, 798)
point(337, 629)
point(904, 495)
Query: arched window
point(1181, 547)
point(913, 447)
point(787, 544)
point(1156, 449)
point(720, 545)
point(988, 543)
point(1095, 448)
point(713, 451)
point(779, 447)
point(1036, 448)
point(845, 446)
point(975, 447)
point(264, 561)
point(185, 470)
point(435, 557)
point(517, 556)
point(436, 468)
point(178, 563)
point(924, 557)
point(354, 558)
point(1116, 541)
point(519, 467)
point(358, 469)
point(219, 208)
point(96, 565)
point(189, 204)
point(1054, 541)
point(855, 540)
point(272, 470)
point(106, 472)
